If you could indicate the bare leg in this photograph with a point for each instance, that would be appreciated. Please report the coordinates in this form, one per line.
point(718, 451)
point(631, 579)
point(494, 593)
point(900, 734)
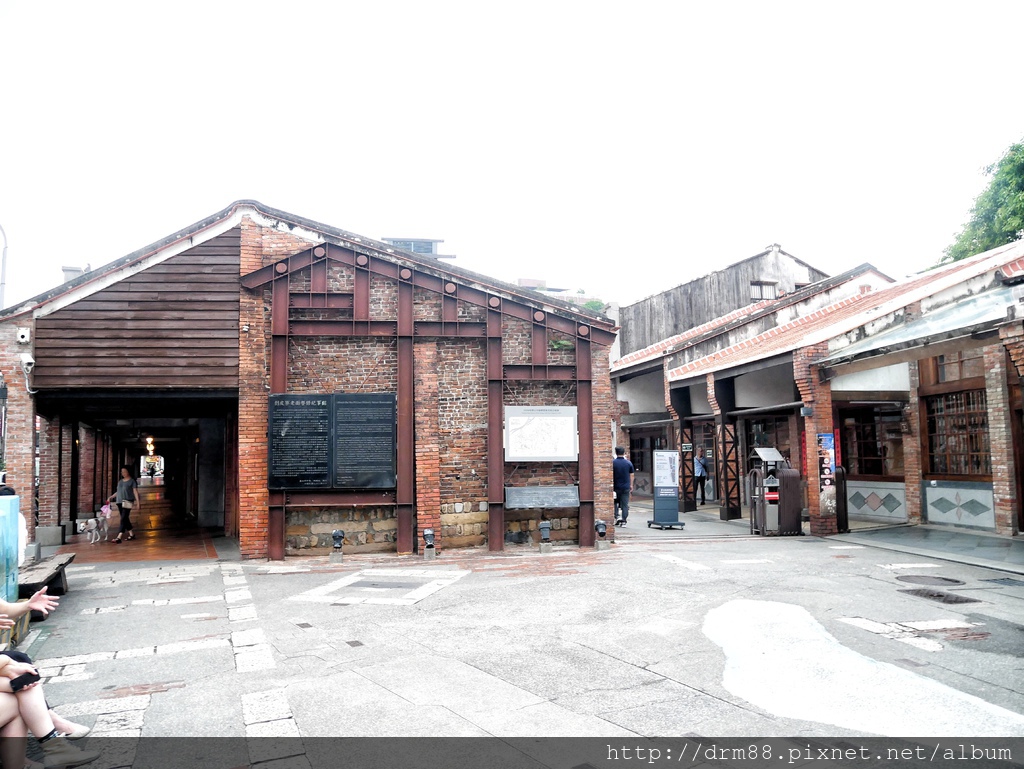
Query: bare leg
point(32, 705)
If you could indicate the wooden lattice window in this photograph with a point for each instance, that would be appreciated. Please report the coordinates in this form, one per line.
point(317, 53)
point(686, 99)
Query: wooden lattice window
point(958, 442)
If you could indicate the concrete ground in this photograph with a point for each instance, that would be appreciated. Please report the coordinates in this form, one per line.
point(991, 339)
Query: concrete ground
point(702, 631)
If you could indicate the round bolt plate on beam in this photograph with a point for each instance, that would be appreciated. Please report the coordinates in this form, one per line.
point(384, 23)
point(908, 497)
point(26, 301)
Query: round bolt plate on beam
point(319, 252)
point(362, 260)
point(405, 273)
point(281, 268)
point(449, 288)
point(538, 316)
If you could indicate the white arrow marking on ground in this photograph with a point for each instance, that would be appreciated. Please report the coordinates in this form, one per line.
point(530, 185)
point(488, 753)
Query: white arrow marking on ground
point(691, 565)
point(780, 658)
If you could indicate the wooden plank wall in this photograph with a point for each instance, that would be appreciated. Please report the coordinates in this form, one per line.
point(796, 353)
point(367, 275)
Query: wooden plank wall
point(174, 325)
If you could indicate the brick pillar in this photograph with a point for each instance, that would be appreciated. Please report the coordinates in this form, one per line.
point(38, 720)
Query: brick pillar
point(1000, 435)
point(428, 443)
point(913, 458)
point(19, 451)
point(1012, 336)
point(49, 472)
point(817, 396)
point(86, 472)
point(253, 403)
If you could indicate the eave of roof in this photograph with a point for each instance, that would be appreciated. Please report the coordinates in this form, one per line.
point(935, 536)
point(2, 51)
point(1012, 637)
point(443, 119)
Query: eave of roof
point(735, 319)
point(848, 314)
point(194, 234)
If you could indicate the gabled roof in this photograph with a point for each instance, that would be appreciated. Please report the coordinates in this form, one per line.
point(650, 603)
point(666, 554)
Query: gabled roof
point(194, 234)
point(743, 315)
point(701, 278)
point(848, 314)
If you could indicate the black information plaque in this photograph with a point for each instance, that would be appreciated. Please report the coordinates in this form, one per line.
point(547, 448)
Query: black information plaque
point(300, 454)
point(332, 441)
point(527, 497)
point(364, 441)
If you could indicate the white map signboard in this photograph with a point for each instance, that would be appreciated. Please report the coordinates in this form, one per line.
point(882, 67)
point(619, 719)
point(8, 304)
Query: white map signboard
point(541, 434)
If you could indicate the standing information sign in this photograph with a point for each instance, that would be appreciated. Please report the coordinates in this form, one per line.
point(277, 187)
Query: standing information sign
point(666, 490)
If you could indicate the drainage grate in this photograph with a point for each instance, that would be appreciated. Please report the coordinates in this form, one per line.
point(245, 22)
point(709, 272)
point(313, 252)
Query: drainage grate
point(1007, 581)
point(928, 579)
point(938, 595)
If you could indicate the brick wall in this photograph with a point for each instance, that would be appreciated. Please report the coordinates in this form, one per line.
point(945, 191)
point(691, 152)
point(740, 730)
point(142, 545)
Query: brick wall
point(49, 472)
point(818, 396)
point(259, 247)
point(428, 442)
point(1000, 434)
point(87, 502)
point(462, 440)
point(450, 418)
point(913, 461)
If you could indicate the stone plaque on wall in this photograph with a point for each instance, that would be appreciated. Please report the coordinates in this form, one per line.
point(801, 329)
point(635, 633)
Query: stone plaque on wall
point(332, 441)
point(533, 497)
point(299, 445)
point(364, 441)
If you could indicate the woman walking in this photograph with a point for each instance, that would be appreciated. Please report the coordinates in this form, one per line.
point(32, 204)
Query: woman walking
point(127, 499)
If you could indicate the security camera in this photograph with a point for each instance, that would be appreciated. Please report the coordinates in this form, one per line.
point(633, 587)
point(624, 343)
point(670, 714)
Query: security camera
point(27, 363)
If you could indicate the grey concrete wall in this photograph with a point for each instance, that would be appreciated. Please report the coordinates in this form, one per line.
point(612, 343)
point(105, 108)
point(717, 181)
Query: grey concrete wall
point(211, 472)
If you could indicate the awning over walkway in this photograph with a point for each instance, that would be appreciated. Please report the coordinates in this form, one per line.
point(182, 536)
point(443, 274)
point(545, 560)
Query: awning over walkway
point(969, 316)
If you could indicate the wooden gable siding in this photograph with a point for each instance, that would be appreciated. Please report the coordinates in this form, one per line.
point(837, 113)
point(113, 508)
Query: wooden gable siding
point(174, 325)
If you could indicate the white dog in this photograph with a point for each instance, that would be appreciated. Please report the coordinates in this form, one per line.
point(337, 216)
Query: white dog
point(94, 527)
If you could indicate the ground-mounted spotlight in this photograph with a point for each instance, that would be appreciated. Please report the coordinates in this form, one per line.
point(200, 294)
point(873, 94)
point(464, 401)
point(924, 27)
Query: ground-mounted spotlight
point(545, 531)
point(339, 538)
point(429, 550)
point(545, 536)
point(602, 542)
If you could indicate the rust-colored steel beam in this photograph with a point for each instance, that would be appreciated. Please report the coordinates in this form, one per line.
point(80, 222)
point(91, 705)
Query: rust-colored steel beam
point(495, 430)
point(406, 492)
point(361, 291)
point(279, 336)
point(276, 526)
point(539, 340)
point(585, 425)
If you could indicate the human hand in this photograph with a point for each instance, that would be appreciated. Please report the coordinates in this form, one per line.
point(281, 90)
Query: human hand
point(6, 622)
point(13, 669)
point(42, 602)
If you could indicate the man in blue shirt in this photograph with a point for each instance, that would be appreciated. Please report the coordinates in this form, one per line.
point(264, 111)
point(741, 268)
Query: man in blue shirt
point(622, 483)
point(700, 475)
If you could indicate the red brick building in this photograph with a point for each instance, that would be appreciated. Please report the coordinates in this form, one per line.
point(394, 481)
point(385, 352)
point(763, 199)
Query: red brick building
point(226, 340)
point(916, 384)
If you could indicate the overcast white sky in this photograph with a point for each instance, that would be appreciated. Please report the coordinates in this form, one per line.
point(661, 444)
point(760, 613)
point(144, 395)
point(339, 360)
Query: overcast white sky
point(621, 148)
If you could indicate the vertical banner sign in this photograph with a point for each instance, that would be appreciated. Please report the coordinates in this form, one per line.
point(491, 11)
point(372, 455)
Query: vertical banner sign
point(666, 487)
point(826, 460)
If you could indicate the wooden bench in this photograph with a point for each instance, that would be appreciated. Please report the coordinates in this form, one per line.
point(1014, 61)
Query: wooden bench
point(48, 573)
